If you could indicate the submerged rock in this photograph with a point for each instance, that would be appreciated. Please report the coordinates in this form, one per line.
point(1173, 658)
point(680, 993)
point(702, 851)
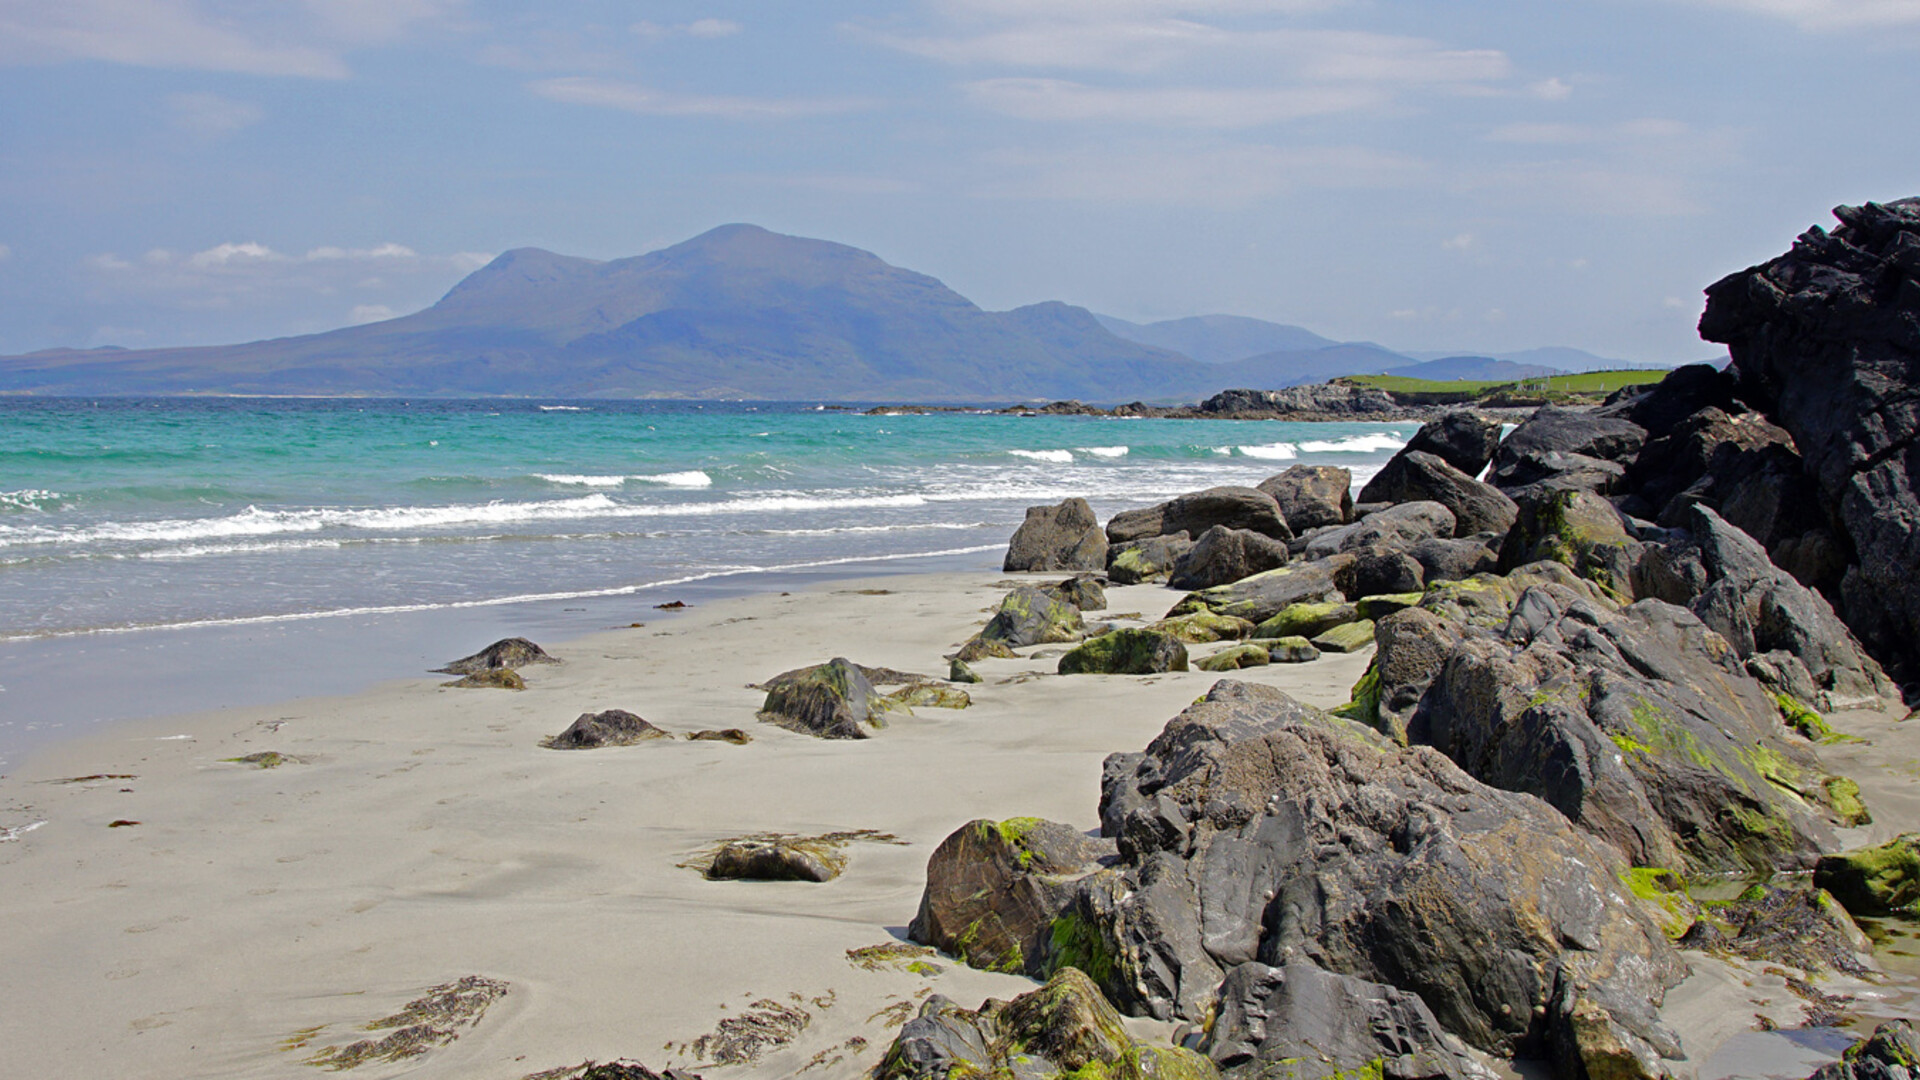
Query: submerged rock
point(1126, 652)
point(613, 727)
point(1063, 537)
point(832, 701)
point(513, 652)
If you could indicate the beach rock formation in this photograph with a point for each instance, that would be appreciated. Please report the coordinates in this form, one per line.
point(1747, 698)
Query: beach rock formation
point(832, 701)
point(1892, 1052)
point(491, 678)
point(994, 887)
point(1084, 591)
point(1235, 657)
point(513, 652)
point(1203, 627)
point(1317, 401)
point(1879, 880)
point(1312, 496)
point(1262, 596)
point(726, 735)
point(1414, 475)
point(1126, 652)
point(613, 727)
point(1824, 342)
point(1030, 616)
point(1063, 537)
point(1397, 528)
point(1195, 513)
point(1555, 430)
point(780, 859)
point(1223, 555)
point(1307, 620)
point(1152, 559)
point(1453, 560)
point(1463, 439)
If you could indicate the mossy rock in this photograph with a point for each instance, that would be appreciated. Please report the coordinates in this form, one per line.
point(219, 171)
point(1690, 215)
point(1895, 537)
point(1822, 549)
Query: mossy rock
point(933, 696)
point(1126, 652)
point(1664, 895)
point(265, 759)
point(726, 735)
point(1204, 626)
point(1307, 620)
point(1842, 796)
point(1379, 607)
point(980, 648)
point(1346, 638)
point(1882, 880)
point(1030, 616)
point(958, 671)
point(1291, 650)
point(797, 859)
point(491, 678)
point(1235, 658)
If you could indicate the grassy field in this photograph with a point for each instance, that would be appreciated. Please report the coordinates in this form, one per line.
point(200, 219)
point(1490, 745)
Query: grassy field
point(1587, 384)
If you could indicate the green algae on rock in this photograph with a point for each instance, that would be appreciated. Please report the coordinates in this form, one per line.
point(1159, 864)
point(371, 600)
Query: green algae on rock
point(494, 678)
point(1204, 626)
point(1236, 657)
point(1307, 620)
point(1346, 638)
point(1879, 880)
point(1126, 652)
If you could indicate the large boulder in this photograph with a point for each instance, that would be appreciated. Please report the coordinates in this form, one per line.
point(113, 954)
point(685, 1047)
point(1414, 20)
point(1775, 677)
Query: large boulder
point(1539, 472)
point(1195, 513)
point(1153, 559)
point(1084, 591)
point(832, 701)
point(1223, 555)
point(1578, 529)
point(784, 858)
point(507, 653)
point(1414, 476)
point(1463, 439)
point(995, 887)
point(612, 727)
point(1063, 537)
point(1552, 429)
point(1825, 341)
point(1262, 596)
point(1892, 1052)
point(1453, 560)
point(1879, 880)
point(1396, 528)
point(1312, 496)
point(1030, 616)
point(1126, 652)
point(1257, 830)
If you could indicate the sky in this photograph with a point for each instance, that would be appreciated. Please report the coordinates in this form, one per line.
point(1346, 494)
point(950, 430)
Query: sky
point(1472, 175)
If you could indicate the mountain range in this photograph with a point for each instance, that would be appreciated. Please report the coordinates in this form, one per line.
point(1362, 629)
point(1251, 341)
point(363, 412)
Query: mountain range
point(741, 312)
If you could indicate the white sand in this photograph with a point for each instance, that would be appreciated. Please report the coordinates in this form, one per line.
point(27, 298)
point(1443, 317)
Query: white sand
point(427, 835)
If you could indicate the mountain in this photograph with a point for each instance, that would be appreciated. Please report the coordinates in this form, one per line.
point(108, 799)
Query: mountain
point(1478, 369)
point(1558, 357)
point(1216, 339)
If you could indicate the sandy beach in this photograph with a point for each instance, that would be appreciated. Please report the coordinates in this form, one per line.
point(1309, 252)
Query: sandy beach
point(255, 917)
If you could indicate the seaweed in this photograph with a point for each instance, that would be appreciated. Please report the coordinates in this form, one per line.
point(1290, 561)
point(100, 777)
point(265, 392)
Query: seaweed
point(432, 1020)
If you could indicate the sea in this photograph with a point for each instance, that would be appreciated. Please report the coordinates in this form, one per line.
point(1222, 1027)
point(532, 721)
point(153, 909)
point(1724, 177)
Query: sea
point(166, 555)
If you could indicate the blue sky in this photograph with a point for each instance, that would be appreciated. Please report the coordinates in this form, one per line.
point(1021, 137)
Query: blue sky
point(1459, 175)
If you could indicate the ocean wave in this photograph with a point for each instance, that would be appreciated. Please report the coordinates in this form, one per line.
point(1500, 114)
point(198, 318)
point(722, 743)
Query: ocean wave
point(920, 526)
point(1280, 451)
point(692, 478)
point(1105, 451)
point(556, 408)
point(254, 521)
point(580, 479)
point(29, 499)
point(1056, 457)
point(1356, 444)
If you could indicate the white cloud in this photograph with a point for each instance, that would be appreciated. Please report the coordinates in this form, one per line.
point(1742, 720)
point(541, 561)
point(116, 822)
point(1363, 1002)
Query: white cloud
point(1830, 14)
point(1641, 130)
point(245, 274)
point(1209, 175)
point(366, 313)
point(713, 28)
point(1099, 10)
point(1057, 99)
point(631, 97)
point(210, 116)
point(1555, 89)
point(1463, 242)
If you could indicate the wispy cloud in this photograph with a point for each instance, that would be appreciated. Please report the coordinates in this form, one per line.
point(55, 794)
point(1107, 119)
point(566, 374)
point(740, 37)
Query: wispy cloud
point(1829, 14)
point(242, 273)
point(635, 98)
point(1211, 175)
point(1057, 99)
point(699, 28)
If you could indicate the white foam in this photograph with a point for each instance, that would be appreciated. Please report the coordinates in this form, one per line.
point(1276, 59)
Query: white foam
point(1356, 444)
point(1280, 451)
point(1057, 457)
point(559, 408)
point(580, 479)
point(18, 831)
point(1106, 451)
point(28, 498)
point(1223, 451)
point(693, 478)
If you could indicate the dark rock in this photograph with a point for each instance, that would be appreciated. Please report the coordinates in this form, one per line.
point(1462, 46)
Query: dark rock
point(1663, 405)
point(981, 648)
point(930, 695)
point(513, 652)
point(1029, 616)
point(726, 735)
point(832, 701)
point(1316, 401)
point(1202, 627)
point(1783, 924)
point(614, 727)
point(1300, 1021)
point(1262, 596)
point(1235, 657)
point(1222, 556)
point(1413, 648)
point(1194, 514)
point(878, 676)
point(1126, 652)
point(1396, 528)
point(1879, 880)
point(492, 678)
point(1083, 591)
point(1825, 341)
point(1578, 529)
point(1312, 496)
point(1414, 476)
point(1063, 537)
point(1291, 650)
point(1307, 620)
point(994, 889)
point(1541, 471)
point(1552, 429)
point(1464, 440)
point(1453, 560)
point(1375, 573)
point(958, 671)
point(1152, 559)
point(783, 859)
point(1892, 1052)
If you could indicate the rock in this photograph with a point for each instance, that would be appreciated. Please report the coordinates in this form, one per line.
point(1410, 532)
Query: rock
point(1312, 496)
point(1307, 620)
point(1254, 829)
point(784, 859)
point(1222, 556)
point(1194, 514)
point(1539, 472)
point(1413, 646)
point(1892, 1052)
point(1262, 596)
point(494, 678)
point(1064, 1030)
point(1824, 342)
point(1314, 401)
point(1686, 390)
point(1303, 1022)
point(1029, 616)
point(1152, 559)
point(1413, 476)
point(1465, 440)
point(1578, 529)
point(614, 727)
point(1291, 650)
point(1083, 591)
point(1453, 560)
point(1397, 528)
point(1552, 429)
point(1345, 638)
point(1126, 652)
point(727, 735)
point(1881, 880)
point(978, 647)
point(958, 671)
point(1378, 572)
point(1204, 626)
point(832, 701)
point(1236, 657)
point(1380, 606)
point(878, 676)
point(932, 696)
point(1789, 924)
point(513, 652)
point(1063, 537)
point(994, 889)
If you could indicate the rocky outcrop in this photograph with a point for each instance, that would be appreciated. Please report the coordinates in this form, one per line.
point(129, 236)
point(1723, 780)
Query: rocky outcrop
point(994, 888)
point(1879, 880)
point(1262, 596)
point(1084, 591)
point(1453, 560)
point(1223, 555)
point(613, 727)
point(1235, 657)
point(1203, 627)
point(1578, 529)
point(1320, 401)
point(1465, 440)
point(1396, 528)
point(1152, 559)
point(513, 652)
point(1892, 1052)
point(1824, 342)
point(1554, 430)
point(1414, 476)
point(1030, 616)
point(1312, 496)
point(1126, 652)
point(832, 701)
point(1195, 513)
point(1063, 537)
